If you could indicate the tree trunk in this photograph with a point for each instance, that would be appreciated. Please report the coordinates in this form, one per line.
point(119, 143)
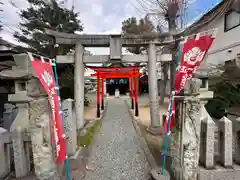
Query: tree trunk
point(172, 30)
point(165, 67)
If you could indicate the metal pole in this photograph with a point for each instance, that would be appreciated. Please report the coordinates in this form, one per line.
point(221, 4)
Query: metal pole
point(153, 89)
point(54, 65)
point(102, 105)
point(79, 85)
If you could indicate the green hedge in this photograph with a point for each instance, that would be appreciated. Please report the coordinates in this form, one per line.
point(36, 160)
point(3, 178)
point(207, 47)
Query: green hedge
point(216, 108)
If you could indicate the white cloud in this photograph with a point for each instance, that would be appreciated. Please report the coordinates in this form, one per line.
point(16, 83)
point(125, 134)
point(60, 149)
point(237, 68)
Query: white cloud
point(97, 16)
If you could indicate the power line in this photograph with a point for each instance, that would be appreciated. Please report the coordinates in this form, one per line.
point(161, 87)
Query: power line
point(138, 11)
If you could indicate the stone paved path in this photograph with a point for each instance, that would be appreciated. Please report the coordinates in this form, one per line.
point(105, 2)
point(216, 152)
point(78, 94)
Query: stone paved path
point(117, 154)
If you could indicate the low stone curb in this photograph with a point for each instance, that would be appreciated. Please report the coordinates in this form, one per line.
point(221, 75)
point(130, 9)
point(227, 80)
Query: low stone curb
point(155, 169)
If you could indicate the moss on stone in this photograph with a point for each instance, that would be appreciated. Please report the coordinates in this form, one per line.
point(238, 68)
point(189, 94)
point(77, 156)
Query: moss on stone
point(88, 137)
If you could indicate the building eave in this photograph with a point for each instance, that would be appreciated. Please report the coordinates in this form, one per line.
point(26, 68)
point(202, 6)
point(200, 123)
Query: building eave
point(215, 13)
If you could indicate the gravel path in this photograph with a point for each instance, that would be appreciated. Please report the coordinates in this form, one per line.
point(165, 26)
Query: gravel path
point(117, 154)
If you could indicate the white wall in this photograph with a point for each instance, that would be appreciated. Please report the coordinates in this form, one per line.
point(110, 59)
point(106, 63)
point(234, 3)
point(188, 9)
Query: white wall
point(218, 53)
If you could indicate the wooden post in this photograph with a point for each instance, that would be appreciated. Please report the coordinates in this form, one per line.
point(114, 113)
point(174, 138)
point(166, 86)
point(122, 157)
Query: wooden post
point(131, 91)
point(102, 106)
point(98, 95)
point(136, 93)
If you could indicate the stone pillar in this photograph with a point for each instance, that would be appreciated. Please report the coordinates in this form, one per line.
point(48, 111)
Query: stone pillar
point(236, 140)
point(207, 140)
point(153, 89)
point(5, 169)
point(225, 130)
point(79, 85)
point(20, 159)
point(69, 125)
point(190, 132)
point(45, 168)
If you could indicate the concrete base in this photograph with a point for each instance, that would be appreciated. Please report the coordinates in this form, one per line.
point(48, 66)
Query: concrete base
point(75, 156)
point(157, 174)
point(156, 131)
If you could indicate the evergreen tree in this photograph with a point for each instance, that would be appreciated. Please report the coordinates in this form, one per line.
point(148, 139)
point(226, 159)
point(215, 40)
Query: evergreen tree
point(132, 26)
point(46, 14)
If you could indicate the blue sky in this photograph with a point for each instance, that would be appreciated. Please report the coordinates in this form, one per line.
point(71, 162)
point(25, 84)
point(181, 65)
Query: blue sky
point(101, 16)
point(200, 6)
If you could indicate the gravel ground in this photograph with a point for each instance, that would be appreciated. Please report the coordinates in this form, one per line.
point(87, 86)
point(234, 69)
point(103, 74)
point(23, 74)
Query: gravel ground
point(117, 154)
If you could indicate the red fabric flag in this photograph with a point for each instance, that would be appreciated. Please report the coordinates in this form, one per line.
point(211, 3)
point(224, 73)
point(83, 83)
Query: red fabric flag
point(194, 52)
point(46, 77)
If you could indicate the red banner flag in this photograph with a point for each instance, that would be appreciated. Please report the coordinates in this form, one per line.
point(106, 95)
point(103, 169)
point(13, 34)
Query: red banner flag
point(46, 77)
point(194, 52)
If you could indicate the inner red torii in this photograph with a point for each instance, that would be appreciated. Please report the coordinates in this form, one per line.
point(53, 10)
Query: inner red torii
point(117, 72)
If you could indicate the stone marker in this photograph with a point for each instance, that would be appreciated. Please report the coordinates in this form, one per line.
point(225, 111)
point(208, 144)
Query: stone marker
point(4, 170)
point(117, 94)
point(236, 138)
point(20, 159)
point(225, 130)
point(69, 125)
point(207, 142)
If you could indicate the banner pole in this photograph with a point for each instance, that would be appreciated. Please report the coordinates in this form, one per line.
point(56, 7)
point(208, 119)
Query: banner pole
point(170, 114)
point(54, 65)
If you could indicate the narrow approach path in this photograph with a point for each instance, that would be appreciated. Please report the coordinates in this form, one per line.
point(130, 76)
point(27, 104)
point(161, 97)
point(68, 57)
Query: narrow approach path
point(117, 154)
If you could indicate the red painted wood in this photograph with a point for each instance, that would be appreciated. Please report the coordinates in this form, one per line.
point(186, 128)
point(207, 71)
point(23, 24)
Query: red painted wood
point(102, 88)
point(101, 69)
point(130, 87)
point(116, 74)
point(98, 89)
point(135, 88)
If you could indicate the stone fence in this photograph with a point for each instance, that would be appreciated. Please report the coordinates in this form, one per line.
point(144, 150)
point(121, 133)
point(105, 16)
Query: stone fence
point(10, 159)
point(219, 142)
point(19, 147)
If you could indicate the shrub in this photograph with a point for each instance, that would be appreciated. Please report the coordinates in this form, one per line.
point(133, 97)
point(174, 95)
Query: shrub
point(216, 108)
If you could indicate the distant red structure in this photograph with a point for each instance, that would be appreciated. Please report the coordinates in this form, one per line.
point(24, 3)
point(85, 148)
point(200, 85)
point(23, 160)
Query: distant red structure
point(132, 73)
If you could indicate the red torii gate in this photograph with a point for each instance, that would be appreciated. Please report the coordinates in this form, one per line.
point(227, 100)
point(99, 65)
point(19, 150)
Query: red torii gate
point(117, 72)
